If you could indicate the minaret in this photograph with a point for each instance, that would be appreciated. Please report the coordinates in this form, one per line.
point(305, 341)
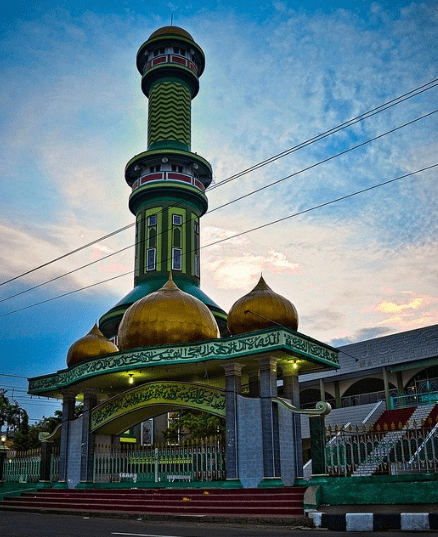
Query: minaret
point(168, 181)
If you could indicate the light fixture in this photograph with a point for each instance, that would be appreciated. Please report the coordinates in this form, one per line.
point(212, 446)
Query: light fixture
point(3, 438)
point(295, 365)
point(131, 378)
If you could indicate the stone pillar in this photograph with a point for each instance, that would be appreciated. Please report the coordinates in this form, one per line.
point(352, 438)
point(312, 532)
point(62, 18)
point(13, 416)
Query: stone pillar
point(87, 445)
point(270, 434)
point(254, 383)
point(291, 391)
point(68, 411)
point(386, 387)
point(233, 388)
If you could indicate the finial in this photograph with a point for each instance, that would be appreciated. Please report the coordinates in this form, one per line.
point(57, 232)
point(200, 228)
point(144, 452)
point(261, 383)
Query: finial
point(171, 19)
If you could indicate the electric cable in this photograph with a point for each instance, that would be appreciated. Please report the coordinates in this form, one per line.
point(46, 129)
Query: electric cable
point(225, 204)
point(304, 211)
point(361, 117)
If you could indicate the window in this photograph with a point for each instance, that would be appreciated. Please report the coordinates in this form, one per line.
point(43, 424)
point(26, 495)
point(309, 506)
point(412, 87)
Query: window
point(151, 258)
point(176, 259)
point(159, 51)
point(154, 169)
point(179, 50)
point(177, 220)
point(152, 220)
point(177, 168)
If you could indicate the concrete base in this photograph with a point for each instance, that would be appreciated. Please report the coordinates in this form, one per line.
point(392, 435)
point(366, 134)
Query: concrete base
point(270, 482)
point(232, 484)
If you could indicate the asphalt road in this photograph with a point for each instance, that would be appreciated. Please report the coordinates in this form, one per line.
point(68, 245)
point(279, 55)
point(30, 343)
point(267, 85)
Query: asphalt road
point(36, 525)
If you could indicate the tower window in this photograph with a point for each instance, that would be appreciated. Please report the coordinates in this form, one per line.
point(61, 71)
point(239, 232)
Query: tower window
point(159, 51)
point(151, 258)
point(176, 259)
point(177, 220)
point(177, 168)
point(156, 168)
point(197, 265)
point(179, 50)
point(152, 220)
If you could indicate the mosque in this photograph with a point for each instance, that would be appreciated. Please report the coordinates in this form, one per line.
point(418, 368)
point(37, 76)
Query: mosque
point(167, 346)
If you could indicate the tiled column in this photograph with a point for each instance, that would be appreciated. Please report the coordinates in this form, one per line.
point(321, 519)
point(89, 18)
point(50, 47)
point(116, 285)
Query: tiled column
point(291, 391)
point(87, 446)
point(233, 384)
point(270, 437)
point(68, 411)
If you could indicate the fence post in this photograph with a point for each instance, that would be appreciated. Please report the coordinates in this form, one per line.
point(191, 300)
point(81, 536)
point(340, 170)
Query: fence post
point(45, 468)
point(156, 464)
point(317, 438)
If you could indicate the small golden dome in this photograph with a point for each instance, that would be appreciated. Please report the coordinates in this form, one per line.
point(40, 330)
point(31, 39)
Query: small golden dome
point(93, 344)
point(261, 308)
point(166, 316)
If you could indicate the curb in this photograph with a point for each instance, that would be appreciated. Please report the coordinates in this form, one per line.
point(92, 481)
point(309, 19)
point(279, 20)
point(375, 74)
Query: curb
point(375, 521)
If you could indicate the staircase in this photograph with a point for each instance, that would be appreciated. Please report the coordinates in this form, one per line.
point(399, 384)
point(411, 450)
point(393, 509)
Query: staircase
point(382, 451)
point(391, 419)
point(249, 503)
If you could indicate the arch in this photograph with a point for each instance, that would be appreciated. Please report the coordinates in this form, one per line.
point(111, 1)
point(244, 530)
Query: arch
point(421, 377)
point(367, 385)
point(148, 400)
point(310, 396)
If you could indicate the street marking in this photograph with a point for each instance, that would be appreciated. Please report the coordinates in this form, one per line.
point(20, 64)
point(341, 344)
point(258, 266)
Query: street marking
point(143, 534)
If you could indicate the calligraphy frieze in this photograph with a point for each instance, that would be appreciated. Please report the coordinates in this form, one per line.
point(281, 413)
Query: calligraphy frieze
point(253, 344)
point(205, 398)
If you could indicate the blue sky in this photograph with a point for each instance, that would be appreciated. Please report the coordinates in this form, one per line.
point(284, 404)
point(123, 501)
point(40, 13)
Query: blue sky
point(277, 74)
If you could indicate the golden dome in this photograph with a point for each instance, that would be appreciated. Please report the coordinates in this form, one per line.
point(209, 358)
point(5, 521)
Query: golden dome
point(93, 344)
point(261, 308)
point(166, 316)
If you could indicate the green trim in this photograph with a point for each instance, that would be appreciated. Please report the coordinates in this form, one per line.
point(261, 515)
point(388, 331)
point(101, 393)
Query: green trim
point(169, 144)
point(181, 394)
point(413, 365)
point(159, 189)
point(385, 490)
point(263, 342)
point(270, 483)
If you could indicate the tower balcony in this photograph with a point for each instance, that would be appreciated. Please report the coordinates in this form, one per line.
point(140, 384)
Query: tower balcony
point(168, 176)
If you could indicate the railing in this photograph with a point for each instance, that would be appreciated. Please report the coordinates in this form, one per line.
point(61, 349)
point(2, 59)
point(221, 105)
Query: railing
point(22, 467)
point(366, 452)
point(413, 398)
point(201, 462)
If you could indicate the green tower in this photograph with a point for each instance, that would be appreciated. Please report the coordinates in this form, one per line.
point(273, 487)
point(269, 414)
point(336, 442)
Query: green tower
point(168, 181)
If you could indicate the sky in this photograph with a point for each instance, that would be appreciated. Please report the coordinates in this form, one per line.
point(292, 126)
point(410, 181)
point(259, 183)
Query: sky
point(278, 73)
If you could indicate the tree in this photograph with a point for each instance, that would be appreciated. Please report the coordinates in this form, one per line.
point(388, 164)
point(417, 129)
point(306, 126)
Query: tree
point(194, 425)
point(27, 436)
point(10, 414)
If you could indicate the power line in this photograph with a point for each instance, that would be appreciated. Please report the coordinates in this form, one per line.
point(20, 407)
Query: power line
point(333, 130)
point(325, 160)
point(361, 117)
point(315, 207)
point(227, 203)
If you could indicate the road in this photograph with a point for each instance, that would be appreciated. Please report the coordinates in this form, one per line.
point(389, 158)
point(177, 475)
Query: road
point(36, 525)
